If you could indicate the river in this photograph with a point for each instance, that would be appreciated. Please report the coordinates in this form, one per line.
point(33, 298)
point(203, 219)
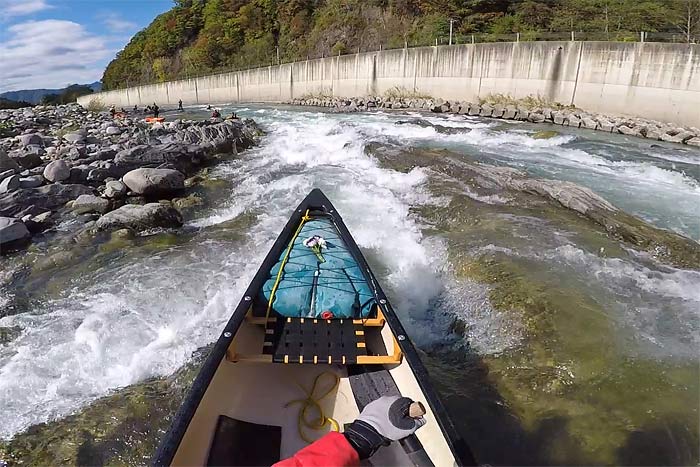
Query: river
point(549, 342)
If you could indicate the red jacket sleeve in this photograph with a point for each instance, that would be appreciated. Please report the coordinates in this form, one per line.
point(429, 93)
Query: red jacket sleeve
point(333, 450)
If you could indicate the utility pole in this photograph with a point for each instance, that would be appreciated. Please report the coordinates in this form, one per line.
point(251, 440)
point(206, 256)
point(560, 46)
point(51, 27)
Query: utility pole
point(451, 21)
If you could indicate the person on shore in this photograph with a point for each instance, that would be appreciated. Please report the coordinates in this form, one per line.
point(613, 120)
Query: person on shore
point(179, 105)
point(216, 114)
point(156, 110)
point(112, 110)
point(136, 108)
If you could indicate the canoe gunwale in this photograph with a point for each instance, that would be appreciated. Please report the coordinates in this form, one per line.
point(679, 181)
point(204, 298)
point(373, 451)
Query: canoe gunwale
point(315, 200)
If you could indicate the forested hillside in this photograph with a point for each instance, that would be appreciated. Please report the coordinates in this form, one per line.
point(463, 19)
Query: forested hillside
point(197, 36)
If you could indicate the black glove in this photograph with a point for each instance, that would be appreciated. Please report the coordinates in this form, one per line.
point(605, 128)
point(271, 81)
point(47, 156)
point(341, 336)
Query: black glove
point(381, 422)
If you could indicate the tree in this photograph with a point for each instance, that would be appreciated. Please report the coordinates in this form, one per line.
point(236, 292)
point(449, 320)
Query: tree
point(687, 18)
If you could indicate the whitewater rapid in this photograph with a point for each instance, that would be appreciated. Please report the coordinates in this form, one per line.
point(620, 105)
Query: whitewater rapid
point(142, 315)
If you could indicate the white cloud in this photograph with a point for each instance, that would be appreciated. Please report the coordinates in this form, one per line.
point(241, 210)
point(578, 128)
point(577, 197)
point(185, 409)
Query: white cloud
point(10, 8)
point(50, 53)
point(115, 23)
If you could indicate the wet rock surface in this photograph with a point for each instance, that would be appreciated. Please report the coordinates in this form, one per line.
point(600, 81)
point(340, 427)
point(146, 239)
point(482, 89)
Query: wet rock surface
point(55, 155)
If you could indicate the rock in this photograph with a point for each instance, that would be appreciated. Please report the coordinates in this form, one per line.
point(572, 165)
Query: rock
point(486, 110)
point(90, 203)
point(680, 137)
point(6, 173)
point(558, 118)
point(535, 117)
point(154, 181)
point(39, 223)
point(474, 110)
point(11, 183)
point(115, 189)
point(573, 121)
point(37, 200)
point(57, 171)
point(545, 134)
point(31, 139)
point(6, 162)
point(522, 114)
point(27, 160)
point(74, 137)
point(137, 217)
point(588, 122)
point(12, 230)
point(694, 141)
point(32, 181)
point(497, 112)
point(184, 157)
point(626, 130)
point(188, 202)
point(98, 175)
point(113, 130)
point(510, 113)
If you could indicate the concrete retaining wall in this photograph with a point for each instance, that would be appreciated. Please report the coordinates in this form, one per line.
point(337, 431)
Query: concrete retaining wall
point(651, 80)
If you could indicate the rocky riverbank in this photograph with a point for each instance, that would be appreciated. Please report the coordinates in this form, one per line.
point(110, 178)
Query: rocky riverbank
point(67, 165)
point(555, 114)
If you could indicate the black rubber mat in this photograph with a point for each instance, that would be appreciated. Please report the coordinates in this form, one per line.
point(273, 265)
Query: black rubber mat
point(238, 443)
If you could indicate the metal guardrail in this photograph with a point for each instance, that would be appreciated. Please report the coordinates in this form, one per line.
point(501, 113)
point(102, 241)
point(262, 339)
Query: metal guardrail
point(275, 58)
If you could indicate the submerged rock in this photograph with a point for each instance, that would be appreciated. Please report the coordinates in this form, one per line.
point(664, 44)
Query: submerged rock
point(545, 134)
point(138, 217)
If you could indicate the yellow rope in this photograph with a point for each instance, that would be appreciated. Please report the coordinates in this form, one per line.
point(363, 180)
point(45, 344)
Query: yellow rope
point(314, 402)
point(304, 218)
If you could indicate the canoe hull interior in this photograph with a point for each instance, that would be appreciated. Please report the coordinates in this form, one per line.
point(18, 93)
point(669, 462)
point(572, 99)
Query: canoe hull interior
point(246, 385)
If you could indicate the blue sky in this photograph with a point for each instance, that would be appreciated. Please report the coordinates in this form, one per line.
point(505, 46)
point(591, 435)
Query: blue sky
point(53, 43)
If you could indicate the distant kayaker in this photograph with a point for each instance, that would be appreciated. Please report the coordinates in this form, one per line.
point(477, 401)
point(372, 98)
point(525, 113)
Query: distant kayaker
point(233, 116)
point(156, 110)
point(179, 105)
point(382, 421)
point(208, 106)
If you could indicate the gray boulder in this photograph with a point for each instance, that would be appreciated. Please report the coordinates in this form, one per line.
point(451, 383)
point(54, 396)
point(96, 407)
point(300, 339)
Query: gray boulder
point(113, 130)
point(115, 189)
point(74, 137)
point(625, 130)
point(6, 173)
point(33, 181)
point(57, 171)
point(44, 198)
point(6, 162)
point(138, 217)
point(11, 183)
point(32, 139)
point(154, 181)
point(90, 203)
point(694, 141)
point(12, 230)
point(27, 159)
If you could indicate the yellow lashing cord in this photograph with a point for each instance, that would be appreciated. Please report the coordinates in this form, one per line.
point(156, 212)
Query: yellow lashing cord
point(314, 402)
point(304, 218)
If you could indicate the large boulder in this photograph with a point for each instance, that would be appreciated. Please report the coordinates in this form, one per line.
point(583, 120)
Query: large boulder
point(31, 139)
point(33, 181)
point(12, 230)
point(27, 159)
point(57, 171)
point(9, 184)
point(154, 181)
point(6, 162)
point(90, 203)
point(137, 217)
point(44, 198)
point(183, 157)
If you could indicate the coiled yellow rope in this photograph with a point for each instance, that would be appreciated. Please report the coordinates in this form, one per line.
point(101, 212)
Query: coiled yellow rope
point(312, 402)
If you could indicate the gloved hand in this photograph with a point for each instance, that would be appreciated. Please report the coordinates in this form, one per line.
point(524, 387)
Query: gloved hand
point(382, 421)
